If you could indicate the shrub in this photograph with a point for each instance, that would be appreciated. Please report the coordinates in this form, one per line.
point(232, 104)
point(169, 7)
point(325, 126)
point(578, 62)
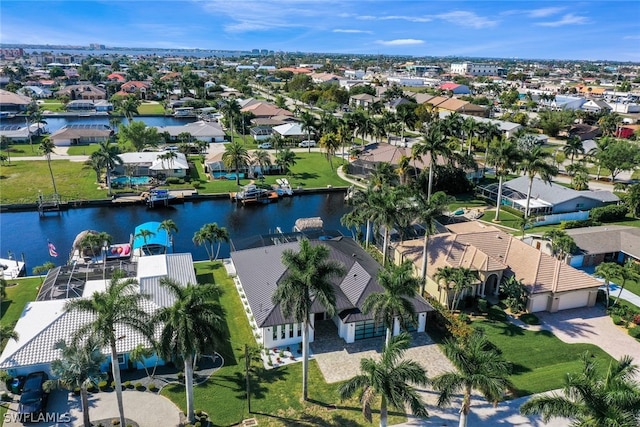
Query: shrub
point(115, 422)
point(140, 387)
point(113, 384)
point(153, 387)
point(636, 319)
point(174, 180)
point(530, 319)
point(197, 424)
point(608, 213)
point(196, 184)
point(102, 385)
point(5, 397)
point(635, 332)
point(496, 313)
point(617, 320)
point(198, 412)
point(483, 305)
point(464, 317)
point(566, 225)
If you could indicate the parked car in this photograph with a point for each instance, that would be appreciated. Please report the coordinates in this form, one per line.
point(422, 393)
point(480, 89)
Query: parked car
point(265, 145)
point(33, 401)
point(307, 143)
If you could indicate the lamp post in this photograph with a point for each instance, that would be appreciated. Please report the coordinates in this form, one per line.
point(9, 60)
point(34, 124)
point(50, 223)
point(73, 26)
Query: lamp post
point(105, 248)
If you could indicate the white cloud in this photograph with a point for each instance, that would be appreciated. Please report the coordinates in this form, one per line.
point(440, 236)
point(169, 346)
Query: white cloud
point(348, 31)
point(544, 12)
point(406, 18)
point(568, 19)
point(366, 18)
point(400, 42)
point(631, 37)
point(467, 19)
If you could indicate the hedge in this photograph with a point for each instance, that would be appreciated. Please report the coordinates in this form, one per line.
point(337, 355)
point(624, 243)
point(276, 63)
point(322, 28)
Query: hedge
point(609, 213)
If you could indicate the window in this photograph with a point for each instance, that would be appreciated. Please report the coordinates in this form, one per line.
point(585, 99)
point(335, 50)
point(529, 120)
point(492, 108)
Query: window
point(121, 359)
point(282, 331)
point(291, 330)
point(275, 333)
point(299, 329)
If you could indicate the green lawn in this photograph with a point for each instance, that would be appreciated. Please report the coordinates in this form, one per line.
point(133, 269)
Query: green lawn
point(507, 219)
point(82, 150)
point(24, 150)
point(540, 360)
point(22, 181)
point(151, 109)
point(468, 201)
point(17, 297)
point(52, 105)
point(276, 392)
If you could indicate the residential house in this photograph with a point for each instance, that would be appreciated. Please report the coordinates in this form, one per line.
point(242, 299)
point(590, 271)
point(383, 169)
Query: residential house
point(265, 109)
point(139, 89)
point(259, 271)
point(152, 164)
point(45, 322)
point(606, 243)
point(81, 134)
point(363, 100)
point(85, 91)
point(13, 102)
point(261, 133)
point(552, 202)
point(215, 165)
point(456, 89)
point(291, 130)
point(200, 130)
point(595, 106)
point(495, 255)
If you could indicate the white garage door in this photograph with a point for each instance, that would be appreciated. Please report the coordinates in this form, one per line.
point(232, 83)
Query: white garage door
point(539, 303)
point(573, 300)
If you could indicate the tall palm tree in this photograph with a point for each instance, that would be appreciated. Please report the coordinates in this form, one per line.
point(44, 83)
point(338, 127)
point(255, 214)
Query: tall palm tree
point(361, 200)
point(194, 325)
point(399, 287)
point(434, 143)
point(535, 162)
point(285, 160)
point(469, 128)
point(231, 109)
point(47, 147)
point(391, 378)
point(503, 155)
point(210, 234)
point(608, 271)
point(593, 398)
point(572, 147)
point(479, 366)
point(308, 124)
point(262, 159)
point(145, 235)
point(170, 227)
point(108, 157)
point(426, 214)
point(594, 153)
point(308, 279)
point(114, 310)
point(235, 155)
point(330, 143)
point(457, 278)
point(78, 368)
point(386, 211)
point(7, 332)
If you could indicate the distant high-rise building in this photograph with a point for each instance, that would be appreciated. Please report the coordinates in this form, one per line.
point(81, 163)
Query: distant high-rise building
point(10, 53)
point(96, 46)
point(474, 69)
point(255, 51)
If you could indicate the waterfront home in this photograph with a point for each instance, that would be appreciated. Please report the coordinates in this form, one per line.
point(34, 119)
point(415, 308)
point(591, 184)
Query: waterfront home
point(12, 102)
point(200, 131)
point(259, 269)
point(83, 91)
point(605, 243)
point(44, 322)
point(153, 164)
point(495, 255)
point(79, 134)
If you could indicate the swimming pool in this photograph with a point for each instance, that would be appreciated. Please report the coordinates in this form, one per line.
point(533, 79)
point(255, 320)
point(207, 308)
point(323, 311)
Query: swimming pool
point(225, 175)
point(134, 180)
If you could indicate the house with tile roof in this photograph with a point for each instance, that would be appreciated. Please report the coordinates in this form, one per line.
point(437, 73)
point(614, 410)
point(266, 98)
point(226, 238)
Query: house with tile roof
point(495, 255)
point(151, 163)
point(45, 321)
point(78, 134)
point(13, 102)
point(259, 271)
point(265, 109)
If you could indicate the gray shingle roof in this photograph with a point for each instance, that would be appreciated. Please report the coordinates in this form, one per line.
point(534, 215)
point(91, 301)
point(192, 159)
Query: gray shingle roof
point(261, 269)
point(554, 193)
point(606, 239)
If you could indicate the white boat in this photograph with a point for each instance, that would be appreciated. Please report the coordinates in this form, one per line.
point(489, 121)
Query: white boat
point(11, 268)
point(158, 198)
point(283, 188)
point(253, 194)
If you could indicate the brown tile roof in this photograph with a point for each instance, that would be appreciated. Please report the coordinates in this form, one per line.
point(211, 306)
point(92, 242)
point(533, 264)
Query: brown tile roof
point(486, 248)
point(264, 109)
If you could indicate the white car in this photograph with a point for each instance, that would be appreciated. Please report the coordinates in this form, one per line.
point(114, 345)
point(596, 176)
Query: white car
point(265, 145)
point(307, 143)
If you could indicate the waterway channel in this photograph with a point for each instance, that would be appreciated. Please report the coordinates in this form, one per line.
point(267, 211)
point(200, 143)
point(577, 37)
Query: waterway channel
point(57, 122)
point(26, 234)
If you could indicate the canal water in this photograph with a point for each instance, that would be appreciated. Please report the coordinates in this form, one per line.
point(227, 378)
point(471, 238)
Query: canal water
point(55, 123)
point(25, 233)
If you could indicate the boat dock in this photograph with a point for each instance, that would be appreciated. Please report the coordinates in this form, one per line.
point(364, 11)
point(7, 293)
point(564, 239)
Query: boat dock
point(12, 268)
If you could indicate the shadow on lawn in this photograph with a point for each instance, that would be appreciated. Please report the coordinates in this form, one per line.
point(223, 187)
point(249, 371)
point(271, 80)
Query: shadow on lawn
point(258, 390)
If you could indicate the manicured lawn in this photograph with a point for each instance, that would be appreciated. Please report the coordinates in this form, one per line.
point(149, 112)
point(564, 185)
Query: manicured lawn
point(276, 392)
point(82, 150)
point(21, 181)
point(540, 360)
point(467, 201)
point(311, 170)
point(52, 105)
point(17, 297)
point(507, 219)
point(151, 109)
point(24, 150)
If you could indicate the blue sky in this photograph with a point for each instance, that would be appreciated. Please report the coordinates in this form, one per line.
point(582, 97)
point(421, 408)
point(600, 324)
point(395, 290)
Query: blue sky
point(521, 29)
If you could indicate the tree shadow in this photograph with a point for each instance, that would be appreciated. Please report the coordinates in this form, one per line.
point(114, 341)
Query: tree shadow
point(510, 330)
point(306, 175)
point(4, 307)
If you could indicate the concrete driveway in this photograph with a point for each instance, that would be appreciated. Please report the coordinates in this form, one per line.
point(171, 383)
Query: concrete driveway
point(147, 409)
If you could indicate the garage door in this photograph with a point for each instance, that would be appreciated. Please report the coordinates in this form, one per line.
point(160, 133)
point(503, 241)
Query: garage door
point(573, 300)
point(539, 303)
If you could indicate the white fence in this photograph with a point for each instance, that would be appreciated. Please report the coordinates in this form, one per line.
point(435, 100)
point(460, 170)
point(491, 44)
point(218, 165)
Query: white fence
point(558, 218)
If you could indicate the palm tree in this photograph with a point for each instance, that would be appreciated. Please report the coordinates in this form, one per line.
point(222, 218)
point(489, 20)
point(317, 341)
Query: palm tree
point(457, 278)
point(469, 128)
point(285, 160)
point(330, 143)
point(194, 325)
point(593, 398)
point(235, 155)
point(534, 162)
point(629, 271)
point(108, 157)
point(479, 366)
point(308, 124)
point(140, 354)
point(145, 235)
point(170, 227)
point(504, 156)
point(434, 143)
point(3, 289)
point(114, 310)
point(231, 109)
point(308, 279)
point(427, 213)
point(208, 235)
point(7, 332)
point(608, 271)
point(573, 147)
point(399, 285)
point(78, 368)
point(594, 153)
point(391, 378)
point(263, 159)
point(47, 147)
point(386, 211)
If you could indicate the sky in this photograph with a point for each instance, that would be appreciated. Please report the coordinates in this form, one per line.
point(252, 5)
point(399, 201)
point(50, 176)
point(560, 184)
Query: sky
point(574, 29)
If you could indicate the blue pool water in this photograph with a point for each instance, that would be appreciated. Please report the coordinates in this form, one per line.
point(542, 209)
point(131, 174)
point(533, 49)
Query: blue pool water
point(134, 180)
point(225, 175)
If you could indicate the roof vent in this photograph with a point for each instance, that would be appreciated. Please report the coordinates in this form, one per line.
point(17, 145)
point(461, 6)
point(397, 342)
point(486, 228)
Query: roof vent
point(354, 255)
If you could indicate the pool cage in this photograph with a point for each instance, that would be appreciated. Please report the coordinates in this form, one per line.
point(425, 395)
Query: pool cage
point(515, 199)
